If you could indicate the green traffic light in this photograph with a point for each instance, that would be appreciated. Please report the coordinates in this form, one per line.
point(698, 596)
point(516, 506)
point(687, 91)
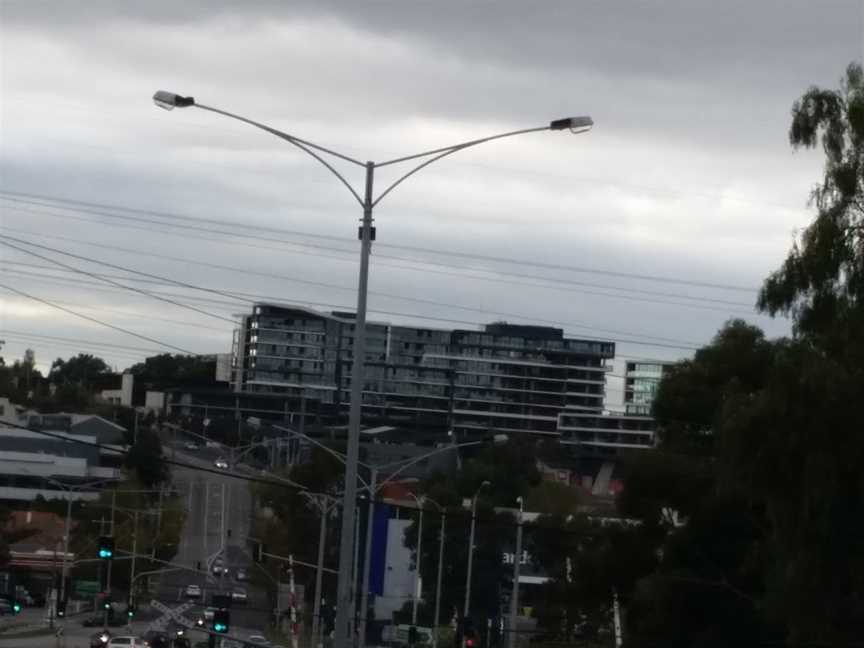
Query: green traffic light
point(219, 627)
point(16, 608)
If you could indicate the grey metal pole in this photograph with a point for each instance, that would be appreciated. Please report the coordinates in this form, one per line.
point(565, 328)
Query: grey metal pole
point(517, 563)
point(367, 555)
point(467, 608)
point(132, 573)
point(111, 561)
point(349, 502)
point(206, 510)
point(436, 619)
point(319, 572)
point(66, 531)
point(418, 580)
point(355, 567)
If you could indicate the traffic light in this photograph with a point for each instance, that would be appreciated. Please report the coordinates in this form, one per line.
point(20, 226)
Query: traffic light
point(106, 548)
point(61, 609)
point(221, 621)
point(16, 607)
point(106, 603)
point(130, 610)
point(258, 551)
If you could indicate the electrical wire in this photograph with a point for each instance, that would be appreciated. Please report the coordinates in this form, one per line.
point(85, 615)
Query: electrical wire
point(172, 218)
point(239, 294)
point(105, 279)
point(292, 486)
point(96, 321)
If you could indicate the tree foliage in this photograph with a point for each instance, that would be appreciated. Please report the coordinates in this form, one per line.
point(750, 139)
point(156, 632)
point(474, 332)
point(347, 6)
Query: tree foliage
point(146, 459)
point(168, 370)
point(78, 370)
point(772, 545)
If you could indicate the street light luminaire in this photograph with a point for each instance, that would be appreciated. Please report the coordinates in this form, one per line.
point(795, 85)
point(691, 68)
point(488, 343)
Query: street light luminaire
point(170, 101)
point(575, 124)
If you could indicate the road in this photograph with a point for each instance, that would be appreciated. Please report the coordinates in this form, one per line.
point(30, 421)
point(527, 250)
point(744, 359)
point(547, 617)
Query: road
point(219, 509)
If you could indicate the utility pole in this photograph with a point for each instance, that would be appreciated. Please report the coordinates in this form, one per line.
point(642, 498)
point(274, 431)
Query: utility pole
point(517, 563)
point(111, 561)
point(319, 571)
point(436, 618)
point(352, 619)
point(367, 553)
point(467, 608)
point(132, 575)
point(293, 608)
point(417, 578)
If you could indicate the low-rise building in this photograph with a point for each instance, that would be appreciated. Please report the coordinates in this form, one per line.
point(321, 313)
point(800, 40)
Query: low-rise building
point(58, 453)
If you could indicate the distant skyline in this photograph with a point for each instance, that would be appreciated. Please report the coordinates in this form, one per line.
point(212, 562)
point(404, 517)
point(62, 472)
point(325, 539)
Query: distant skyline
point(687, 174)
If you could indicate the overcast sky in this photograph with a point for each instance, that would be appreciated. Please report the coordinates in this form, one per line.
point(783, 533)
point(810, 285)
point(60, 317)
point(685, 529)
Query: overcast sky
point(687, 175)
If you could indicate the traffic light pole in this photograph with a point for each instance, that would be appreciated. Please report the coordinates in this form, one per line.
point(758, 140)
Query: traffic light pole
point(111, 560)
point(130, 605)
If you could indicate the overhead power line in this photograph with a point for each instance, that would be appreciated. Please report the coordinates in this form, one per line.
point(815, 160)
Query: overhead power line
point(97, 321)
point(102, 278)
point(256, 297)
point(258, 273)
point(93, 208)
point(163, 281)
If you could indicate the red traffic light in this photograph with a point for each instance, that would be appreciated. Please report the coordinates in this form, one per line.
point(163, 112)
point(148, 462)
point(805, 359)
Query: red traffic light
point(469, 643)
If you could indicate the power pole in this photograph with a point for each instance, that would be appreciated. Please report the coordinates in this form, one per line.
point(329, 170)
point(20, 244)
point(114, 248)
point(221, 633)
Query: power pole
point(514, 597)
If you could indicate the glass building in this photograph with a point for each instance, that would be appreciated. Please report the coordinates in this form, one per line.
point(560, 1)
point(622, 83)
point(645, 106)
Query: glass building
point(505, 378)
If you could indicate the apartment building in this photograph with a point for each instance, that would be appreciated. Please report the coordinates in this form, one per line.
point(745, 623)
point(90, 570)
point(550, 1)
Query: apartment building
point(641, 379)
point(503, 378)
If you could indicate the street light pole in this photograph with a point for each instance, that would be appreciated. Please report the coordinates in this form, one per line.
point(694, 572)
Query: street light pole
point(517, 563)
point(417, 578)
point(367, 554)
point(436, 619)
point(169, 101)
point(467, 608)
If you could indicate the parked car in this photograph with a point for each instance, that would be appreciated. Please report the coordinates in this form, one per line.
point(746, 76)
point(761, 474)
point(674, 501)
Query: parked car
point(208, 613)
point(221, 464)
point(238, 595)
point(241, 575)
point(5, 607)
point(257, 640)
point(190, 445)
point(126, 641)
point(193, 591)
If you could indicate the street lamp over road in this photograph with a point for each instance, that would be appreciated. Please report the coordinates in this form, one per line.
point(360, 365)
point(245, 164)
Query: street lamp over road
point(467, 608)
point(368, 201)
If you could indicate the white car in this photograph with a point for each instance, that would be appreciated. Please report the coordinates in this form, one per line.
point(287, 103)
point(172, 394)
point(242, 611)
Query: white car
point(260, 640)
point(221, 464)
point(239, 595)
point(190, 445)
point(193, 591)
point(125, 642)
point(208, 613)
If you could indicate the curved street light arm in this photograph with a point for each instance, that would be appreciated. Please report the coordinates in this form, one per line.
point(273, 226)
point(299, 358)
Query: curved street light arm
point(340, 457)
point(444, 152)
point(299, 143)
point(457, 147)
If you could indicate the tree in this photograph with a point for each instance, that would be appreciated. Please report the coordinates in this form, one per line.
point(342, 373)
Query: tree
point(78, 370)
point(146, 459)
point(169, 370)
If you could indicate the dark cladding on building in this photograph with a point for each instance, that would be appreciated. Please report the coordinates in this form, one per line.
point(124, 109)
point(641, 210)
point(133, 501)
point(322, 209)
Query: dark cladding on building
point(505, 378)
